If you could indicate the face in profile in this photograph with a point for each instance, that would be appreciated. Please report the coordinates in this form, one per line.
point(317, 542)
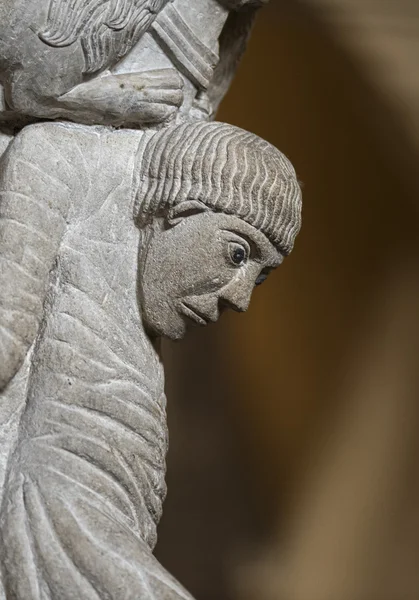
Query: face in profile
point(198, 264)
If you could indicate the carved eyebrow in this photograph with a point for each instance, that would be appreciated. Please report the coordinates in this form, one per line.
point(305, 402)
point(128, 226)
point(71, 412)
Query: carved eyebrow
point(254, 247)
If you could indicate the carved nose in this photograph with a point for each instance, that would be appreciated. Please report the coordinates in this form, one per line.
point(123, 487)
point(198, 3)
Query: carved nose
point(235, 299)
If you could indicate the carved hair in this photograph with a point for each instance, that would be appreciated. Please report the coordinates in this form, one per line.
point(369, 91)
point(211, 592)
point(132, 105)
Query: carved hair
point(227, 169)
point(107, 29)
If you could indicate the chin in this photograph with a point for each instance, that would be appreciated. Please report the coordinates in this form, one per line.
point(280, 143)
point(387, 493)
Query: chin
point(175, 336)
point(174, 330)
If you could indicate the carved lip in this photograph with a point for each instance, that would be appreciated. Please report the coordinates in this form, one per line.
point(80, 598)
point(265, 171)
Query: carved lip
point(192, 314)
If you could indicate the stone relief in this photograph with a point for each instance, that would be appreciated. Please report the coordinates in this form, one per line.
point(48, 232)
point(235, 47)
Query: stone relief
point(111, 238)
point(119, 62)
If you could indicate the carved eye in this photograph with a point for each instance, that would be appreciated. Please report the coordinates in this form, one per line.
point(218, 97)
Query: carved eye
point(238, 254)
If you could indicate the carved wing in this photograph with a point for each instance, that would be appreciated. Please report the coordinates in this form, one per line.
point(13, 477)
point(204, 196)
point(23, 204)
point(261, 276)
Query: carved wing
point(107, 29)
point(35, 193)
point(32, 222)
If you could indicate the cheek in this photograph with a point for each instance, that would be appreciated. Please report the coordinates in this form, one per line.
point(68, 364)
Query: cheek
point(202, 268)
point(205, 276)
point(162, 269)
point(180, 265)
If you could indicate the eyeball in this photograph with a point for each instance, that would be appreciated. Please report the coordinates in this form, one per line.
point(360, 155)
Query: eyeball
point(238, 254)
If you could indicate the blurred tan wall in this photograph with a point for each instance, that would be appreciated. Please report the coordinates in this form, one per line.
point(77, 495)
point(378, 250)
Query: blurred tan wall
point(296, 89)
point(276, 377)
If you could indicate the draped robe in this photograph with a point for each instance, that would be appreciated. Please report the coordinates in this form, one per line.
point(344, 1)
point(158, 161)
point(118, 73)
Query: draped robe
point(82, 415)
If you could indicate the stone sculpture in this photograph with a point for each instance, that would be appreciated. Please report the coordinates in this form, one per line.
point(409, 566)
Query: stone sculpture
point(119, 62)
point(109, 239)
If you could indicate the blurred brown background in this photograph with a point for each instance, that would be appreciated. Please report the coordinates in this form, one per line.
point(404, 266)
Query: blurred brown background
point(293, 465)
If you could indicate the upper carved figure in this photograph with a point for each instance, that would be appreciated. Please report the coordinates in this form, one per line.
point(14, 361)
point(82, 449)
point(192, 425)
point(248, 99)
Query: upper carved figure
point(119, 62)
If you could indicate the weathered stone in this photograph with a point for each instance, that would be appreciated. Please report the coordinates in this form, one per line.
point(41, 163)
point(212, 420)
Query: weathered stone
point(109, 239)
point(119, 62)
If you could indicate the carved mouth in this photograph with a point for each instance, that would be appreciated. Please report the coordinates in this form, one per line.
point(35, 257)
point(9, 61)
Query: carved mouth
point(192, 314)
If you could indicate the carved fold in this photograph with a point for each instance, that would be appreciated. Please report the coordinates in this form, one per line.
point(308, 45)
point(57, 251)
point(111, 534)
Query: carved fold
point(193, 58)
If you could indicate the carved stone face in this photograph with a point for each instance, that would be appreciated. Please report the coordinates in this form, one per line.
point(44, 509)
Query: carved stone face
point(196, 265)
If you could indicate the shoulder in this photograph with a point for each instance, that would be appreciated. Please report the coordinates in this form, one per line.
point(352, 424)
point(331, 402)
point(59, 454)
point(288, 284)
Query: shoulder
point(54, 133)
